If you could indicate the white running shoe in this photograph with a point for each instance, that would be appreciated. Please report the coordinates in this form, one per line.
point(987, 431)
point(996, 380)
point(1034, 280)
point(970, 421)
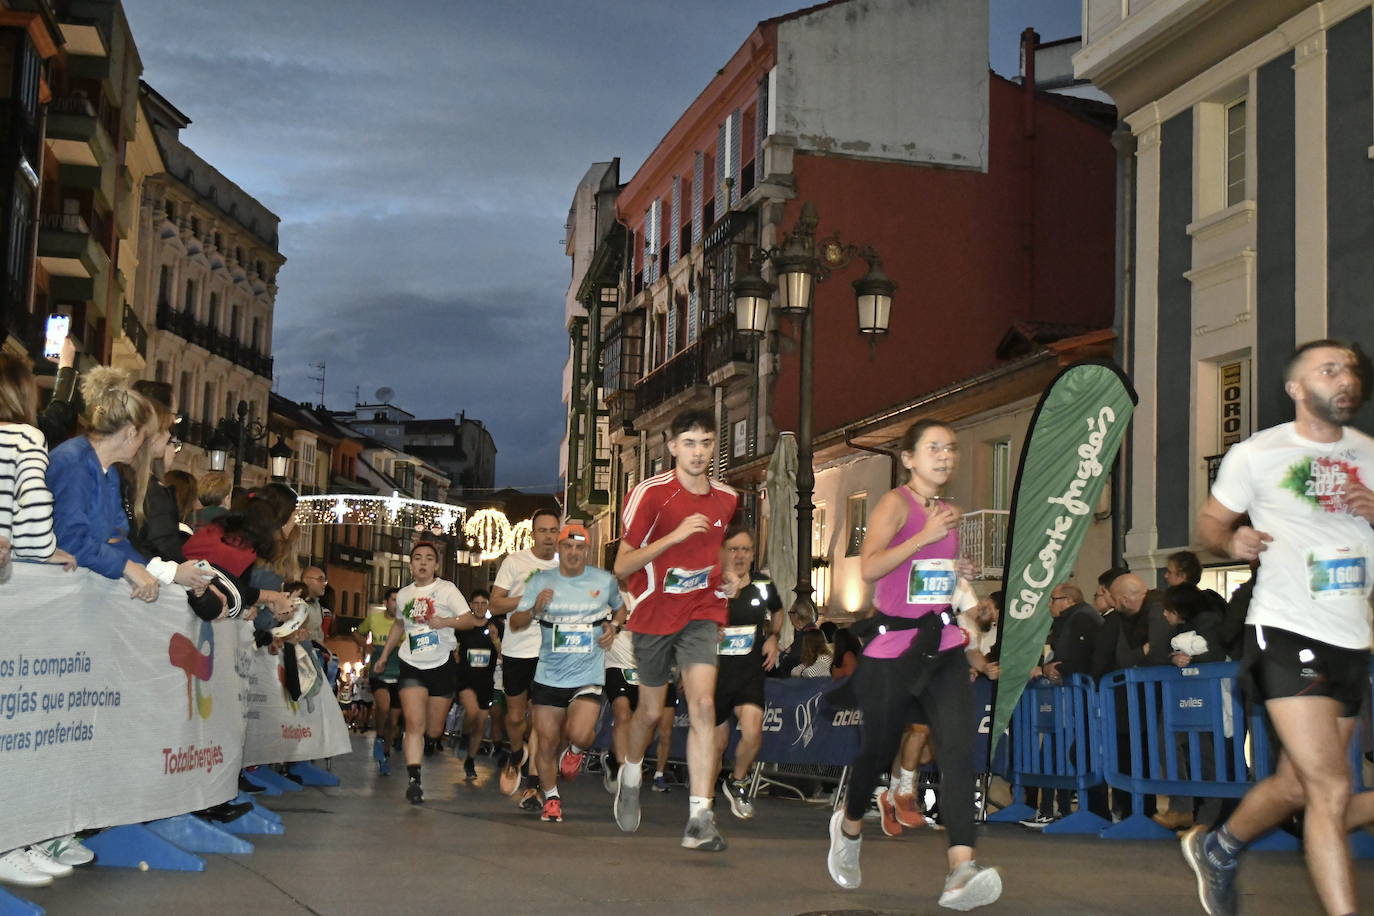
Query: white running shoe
point(843, 860)
point(701, 833)
point(68, 850)
point(40, 860)
point(626, 805)
point(15, 868)
point(971, 885)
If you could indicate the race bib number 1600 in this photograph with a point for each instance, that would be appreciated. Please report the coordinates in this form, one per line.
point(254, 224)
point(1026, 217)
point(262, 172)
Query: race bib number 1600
point(1336, 572)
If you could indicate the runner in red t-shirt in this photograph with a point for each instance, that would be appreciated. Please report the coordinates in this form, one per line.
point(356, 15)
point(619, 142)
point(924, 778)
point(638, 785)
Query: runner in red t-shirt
point(674, 525)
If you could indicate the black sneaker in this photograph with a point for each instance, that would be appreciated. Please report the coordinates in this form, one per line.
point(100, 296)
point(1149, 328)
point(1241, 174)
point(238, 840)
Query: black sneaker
point(470, 768)
point(247, 785)
point(1216, 887)
point(414, 794)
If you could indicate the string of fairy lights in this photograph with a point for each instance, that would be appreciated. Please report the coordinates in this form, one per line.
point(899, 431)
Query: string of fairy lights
point(489, 534)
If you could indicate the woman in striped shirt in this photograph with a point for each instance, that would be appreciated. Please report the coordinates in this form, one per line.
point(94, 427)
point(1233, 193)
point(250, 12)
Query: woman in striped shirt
point(25, 501)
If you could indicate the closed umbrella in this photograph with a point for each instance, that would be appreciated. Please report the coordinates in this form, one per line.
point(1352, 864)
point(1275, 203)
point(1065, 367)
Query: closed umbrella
point(782, 525)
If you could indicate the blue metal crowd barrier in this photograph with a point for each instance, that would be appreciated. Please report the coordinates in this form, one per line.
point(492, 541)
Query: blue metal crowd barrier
point(1055, 744)
point(1194, 713)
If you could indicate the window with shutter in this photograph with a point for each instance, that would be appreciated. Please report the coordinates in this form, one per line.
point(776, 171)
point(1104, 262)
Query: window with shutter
point(693, 317)
point(734, 144)
point(722, 195)
point(697, 198)
point(676, 209)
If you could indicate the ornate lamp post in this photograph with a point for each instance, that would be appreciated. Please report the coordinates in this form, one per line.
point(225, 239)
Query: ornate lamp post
point(235, 434)
point(799, 264)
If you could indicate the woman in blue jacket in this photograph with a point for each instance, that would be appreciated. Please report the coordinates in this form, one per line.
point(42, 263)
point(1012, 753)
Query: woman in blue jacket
point(88, 515)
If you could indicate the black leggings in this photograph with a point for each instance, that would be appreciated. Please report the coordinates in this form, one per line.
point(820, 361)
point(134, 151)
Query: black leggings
point(946, 704)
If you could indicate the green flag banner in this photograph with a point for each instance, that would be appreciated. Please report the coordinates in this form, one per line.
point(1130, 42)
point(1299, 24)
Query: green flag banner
point(1074, 435)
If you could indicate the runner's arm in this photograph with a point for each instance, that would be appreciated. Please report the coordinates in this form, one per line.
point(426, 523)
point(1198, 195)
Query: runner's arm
point(1216, 528)
point(632, 561)
point(393, 639)
point(502, 602)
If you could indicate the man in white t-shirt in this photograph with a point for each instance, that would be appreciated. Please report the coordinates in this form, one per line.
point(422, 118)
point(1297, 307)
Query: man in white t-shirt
point(1304, 487)
point(520, 650)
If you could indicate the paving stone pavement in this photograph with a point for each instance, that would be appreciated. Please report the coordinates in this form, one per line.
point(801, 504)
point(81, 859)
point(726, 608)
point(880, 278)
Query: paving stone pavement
point(360, 848)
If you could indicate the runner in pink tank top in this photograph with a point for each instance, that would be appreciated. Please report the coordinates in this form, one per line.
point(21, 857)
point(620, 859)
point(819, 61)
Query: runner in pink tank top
point(906, 675)
point(923, 584)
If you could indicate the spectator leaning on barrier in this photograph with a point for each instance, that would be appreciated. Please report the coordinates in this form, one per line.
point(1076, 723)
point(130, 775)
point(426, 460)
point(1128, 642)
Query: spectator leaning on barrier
point(1145, 633)
point(88, 513)
point(1104, 651)
point(26, 504)
point(816, 655)
point(1073, 640)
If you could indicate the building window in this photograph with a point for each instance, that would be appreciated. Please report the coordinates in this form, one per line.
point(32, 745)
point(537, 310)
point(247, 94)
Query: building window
point(820, 574)
point(1235, 153)
point(212, 317)
point(856, 520)
point(189, 306)
point(1001, 474)
point(208, 403)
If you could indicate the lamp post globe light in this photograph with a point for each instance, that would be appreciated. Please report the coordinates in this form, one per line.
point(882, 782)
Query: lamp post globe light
point(799, 264)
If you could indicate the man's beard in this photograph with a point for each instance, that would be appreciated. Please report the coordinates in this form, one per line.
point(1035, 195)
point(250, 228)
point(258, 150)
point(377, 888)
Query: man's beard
point(1326, 410)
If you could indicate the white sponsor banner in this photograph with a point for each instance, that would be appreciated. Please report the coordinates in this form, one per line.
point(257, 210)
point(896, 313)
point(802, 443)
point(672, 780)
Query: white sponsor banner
point(112, 711)
point(278, 729)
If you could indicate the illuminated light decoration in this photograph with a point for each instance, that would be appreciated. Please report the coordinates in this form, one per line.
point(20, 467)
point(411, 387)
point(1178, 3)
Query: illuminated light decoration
point(490, 532)
point(335, 509)
point(521, 537)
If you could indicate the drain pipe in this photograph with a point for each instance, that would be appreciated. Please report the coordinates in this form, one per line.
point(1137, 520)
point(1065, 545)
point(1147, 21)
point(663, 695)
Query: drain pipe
point(895, 474)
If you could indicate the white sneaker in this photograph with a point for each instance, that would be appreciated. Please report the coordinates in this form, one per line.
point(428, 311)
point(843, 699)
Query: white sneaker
point(68, 850)
point(15, 868)
point(609, 777)
point(39, 858)
point(843, 859)
point(971, 885)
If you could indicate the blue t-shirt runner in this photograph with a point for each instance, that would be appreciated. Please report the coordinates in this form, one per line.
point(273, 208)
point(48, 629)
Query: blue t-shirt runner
point(569, 653)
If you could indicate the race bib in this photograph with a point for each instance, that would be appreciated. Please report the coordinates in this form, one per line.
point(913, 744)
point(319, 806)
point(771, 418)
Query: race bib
point(479, 658)
point(424, 642)
point(930, 582)
point(1336, 572)
point(573, 638)
point(681, 581)
point(631, 675)
point(736, 640)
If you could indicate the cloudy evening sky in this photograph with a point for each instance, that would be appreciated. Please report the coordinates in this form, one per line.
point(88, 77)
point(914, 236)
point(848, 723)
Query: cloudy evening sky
point(422, 155)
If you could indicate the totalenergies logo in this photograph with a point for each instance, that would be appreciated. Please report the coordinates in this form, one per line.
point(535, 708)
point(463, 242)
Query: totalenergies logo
point(198, 667)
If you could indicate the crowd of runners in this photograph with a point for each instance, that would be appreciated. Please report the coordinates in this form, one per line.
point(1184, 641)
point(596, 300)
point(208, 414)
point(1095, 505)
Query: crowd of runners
point(684, 604)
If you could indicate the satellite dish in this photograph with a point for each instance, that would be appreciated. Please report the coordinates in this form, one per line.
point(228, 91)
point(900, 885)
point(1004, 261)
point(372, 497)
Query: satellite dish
point(384, 395)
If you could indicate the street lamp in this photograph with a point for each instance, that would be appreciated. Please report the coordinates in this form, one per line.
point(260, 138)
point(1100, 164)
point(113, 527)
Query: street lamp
point(280, 454)
point(234, 435)
point(799, 264)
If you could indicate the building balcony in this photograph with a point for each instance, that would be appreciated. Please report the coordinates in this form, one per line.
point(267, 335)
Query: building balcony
point(68, 248)
point(983, 539)
point(669, 387)
point(131, 346)
point(728, 353)
point(203, 335)
point(75, 133)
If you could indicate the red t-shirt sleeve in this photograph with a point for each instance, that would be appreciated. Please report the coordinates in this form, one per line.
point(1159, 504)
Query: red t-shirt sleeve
point(641, 512)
